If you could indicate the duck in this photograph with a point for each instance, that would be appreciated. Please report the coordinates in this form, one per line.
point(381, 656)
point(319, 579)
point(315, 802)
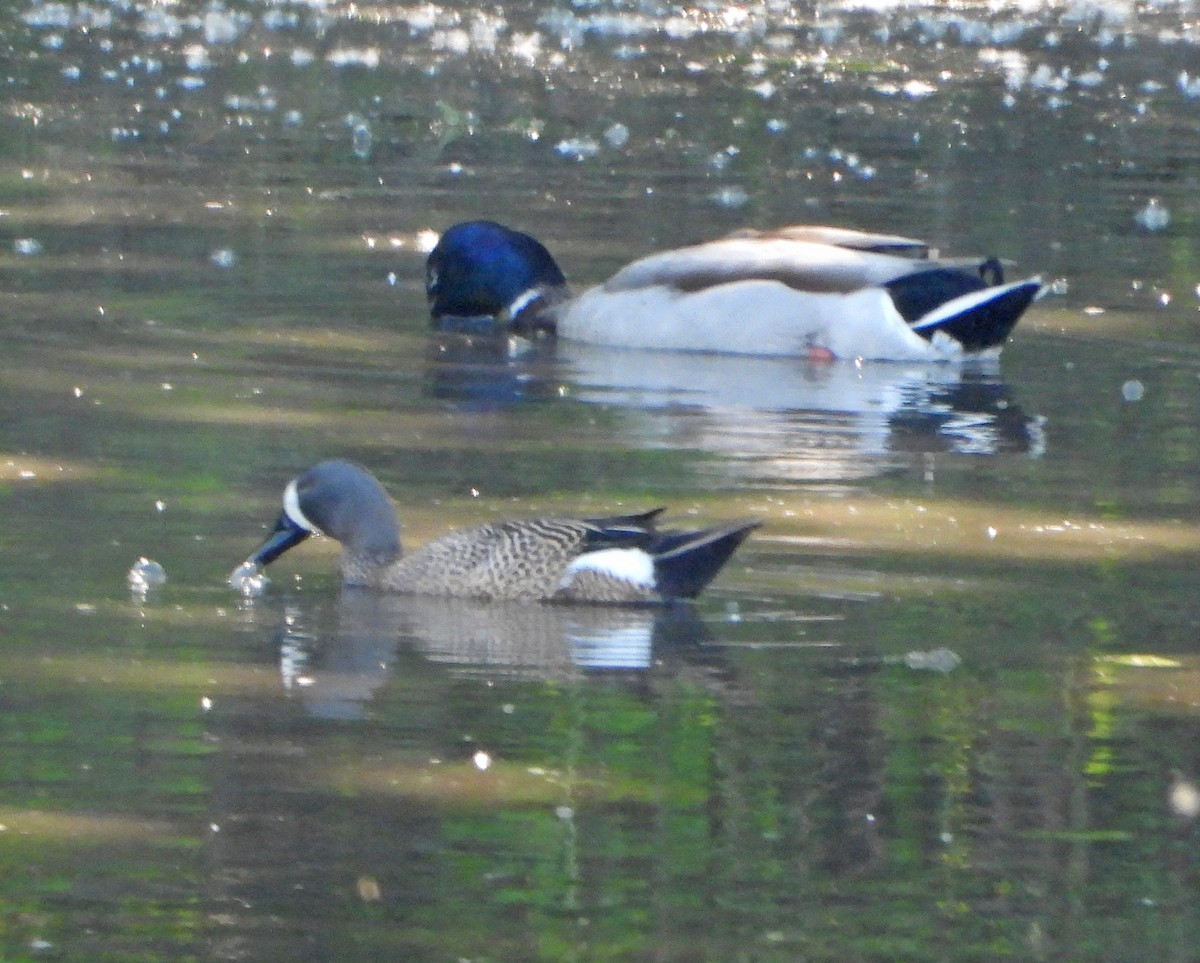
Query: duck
point(623, 559)
point(808, 291)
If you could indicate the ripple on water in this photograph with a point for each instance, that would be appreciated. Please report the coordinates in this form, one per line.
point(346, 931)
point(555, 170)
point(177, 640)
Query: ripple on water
point(145, 576)
point(249, 579)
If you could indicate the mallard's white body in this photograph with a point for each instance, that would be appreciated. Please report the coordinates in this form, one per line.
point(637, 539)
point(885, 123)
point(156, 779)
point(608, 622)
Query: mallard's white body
point(771, 296)
point(755, 317)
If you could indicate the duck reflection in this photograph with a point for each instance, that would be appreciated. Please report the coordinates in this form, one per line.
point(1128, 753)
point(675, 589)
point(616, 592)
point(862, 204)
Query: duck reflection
point(335, 662)
point(772, 418)
point(489, 373)
point(592, 748)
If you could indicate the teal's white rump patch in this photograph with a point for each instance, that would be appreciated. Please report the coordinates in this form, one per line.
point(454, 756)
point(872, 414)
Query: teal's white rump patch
point(627, 564)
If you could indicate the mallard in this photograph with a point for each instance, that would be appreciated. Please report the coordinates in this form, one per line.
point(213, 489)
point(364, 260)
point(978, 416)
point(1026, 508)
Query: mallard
point(802, 291)
point(620, 559)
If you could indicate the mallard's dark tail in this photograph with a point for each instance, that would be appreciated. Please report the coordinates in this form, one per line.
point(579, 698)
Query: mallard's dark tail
point(963, 305)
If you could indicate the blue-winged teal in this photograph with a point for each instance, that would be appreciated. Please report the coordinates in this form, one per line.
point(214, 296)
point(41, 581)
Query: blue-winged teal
point(623, 559)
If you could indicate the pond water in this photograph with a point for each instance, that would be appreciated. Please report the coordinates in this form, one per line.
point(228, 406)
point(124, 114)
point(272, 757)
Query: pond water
point(942, 706)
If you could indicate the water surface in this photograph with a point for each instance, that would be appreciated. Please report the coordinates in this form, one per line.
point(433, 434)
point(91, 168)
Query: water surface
point(943, 706)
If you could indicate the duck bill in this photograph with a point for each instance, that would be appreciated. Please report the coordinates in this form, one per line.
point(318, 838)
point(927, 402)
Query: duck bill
point(286, 534)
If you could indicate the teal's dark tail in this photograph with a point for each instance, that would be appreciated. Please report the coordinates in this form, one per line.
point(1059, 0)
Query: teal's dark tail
point(685, 562)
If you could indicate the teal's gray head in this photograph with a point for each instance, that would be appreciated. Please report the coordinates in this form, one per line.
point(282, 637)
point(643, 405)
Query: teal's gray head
point(339, 499)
